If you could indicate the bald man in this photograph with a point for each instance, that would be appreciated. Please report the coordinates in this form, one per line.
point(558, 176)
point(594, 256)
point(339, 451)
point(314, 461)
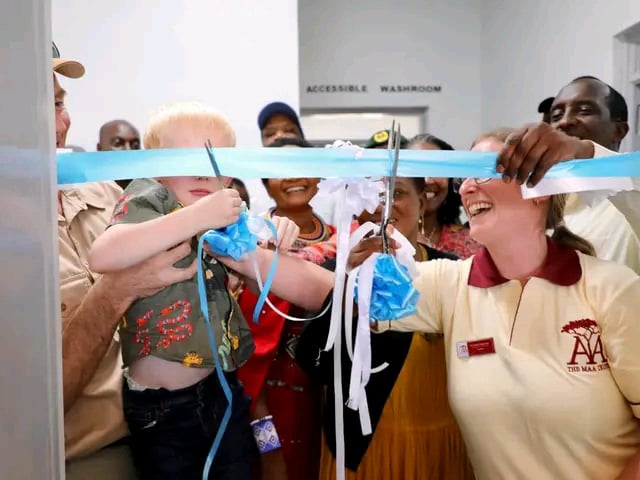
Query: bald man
point(118, 135)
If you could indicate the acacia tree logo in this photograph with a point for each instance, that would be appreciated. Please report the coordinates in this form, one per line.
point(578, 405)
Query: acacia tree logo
point(586, 333)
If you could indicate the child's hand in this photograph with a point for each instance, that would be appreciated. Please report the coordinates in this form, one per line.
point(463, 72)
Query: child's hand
point(218, 210)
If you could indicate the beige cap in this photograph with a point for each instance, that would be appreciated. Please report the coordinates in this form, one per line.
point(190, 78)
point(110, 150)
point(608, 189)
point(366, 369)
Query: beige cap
point(68, 68)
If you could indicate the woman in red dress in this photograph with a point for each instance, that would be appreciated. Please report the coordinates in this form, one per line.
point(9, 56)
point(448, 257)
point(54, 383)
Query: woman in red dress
point(277, 386)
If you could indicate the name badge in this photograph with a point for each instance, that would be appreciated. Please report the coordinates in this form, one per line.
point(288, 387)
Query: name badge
point(473, 348)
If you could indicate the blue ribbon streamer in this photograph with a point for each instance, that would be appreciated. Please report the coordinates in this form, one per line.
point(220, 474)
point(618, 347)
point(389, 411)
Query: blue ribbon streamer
point(204, 308)
point(226, 390)
point(247, 163)
point(272, 273)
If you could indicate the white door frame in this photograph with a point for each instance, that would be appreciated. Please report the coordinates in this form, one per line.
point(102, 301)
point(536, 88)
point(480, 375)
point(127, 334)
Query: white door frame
point(626, 77)
point(31, 437)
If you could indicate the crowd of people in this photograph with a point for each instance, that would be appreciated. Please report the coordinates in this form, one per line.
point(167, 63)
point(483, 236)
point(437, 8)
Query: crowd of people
point(522, 360)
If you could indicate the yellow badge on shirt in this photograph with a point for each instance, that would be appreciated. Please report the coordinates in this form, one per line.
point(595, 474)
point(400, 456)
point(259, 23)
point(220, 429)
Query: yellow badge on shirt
point(380, 137)
point(191, 359)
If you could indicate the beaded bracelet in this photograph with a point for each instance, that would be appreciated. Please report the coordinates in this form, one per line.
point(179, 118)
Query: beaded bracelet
point(264, 431)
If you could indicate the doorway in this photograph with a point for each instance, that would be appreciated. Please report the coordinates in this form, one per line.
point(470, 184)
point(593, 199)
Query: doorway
point(626, 78)
point(323, 126)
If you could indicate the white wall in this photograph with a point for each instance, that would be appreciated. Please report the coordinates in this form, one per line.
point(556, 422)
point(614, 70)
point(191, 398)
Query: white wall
point(236, 55)
point(377, 42)
point(531, 48)
point(495, 59)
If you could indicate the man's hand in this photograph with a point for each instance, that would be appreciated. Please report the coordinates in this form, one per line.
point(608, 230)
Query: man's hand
point(529, 153)
point(150, 276)
point(89, 332)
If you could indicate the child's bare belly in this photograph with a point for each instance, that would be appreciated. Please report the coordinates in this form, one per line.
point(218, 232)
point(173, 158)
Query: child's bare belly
point(154, 372)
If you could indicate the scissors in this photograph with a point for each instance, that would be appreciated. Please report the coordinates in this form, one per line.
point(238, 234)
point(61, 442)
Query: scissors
point(393, 147)
point(214, 164)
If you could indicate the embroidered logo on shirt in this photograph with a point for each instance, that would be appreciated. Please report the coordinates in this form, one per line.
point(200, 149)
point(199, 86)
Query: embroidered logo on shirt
point(587, 354)
point(172, 329)
point(191, 359)
point(121, 208)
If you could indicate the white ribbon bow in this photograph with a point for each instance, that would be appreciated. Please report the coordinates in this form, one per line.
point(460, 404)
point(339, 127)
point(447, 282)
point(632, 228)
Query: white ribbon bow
point(353, 197)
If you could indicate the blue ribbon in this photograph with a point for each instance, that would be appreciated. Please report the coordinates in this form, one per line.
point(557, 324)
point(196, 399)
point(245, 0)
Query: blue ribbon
point(246, 163)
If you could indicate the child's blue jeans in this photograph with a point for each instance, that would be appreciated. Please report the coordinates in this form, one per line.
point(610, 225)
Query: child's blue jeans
point(173, 430)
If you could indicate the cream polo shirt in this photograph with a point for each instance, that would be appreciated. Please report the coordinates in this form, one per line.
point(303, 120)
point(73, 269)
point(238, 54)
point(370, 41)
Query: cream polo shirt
point(96, 419)
point(559, 398)
point(612, 225)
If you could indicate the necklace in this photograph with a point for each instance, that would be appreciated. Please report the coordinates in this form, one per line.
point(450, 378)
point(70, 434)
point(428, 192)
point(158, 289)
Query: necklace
point(320, 233)
point(428, 239)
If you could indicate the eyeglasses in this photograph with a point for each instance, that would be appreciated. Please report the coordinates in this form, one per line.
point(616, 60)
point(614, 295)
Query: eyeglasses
point(56, 52)
point(457, 182)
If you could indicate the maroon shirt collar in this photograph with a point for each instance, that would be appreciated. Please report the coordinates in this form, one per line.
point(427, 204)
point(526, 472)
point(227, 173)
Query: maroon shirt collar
point(561, 267)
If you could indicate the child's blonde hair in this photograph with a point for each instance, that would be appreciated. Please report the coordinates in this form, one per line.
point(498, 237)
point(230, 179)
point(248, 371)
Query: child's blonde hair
point(171, 116)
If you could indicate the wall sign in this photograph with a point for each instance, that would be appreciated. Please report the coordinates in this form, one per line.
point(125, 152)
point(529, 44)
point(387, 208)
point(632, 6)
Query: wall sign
point(336, 89)
point(410, 88)
point(381, 88)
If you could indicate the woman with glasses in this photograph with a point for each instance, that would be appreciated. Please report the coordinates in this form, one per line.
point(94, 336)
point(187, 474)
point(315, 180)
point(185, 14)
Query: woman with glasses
point(542, 339)
point(440, 225)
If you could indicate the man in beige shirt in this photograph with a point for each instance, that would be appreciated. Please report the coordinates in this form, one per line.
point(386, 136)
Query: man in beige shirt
point(589, 109)
point(91, 307)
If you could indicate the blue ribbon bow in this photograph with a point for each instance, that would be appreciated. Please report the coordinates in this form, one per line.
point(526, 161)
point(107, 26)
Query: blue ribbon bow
point(234, 240)
point(393, 295)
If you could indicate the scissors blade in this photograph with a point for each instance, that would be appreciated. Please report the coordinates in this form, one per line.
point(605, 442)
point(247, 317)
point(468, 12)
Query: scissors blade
point(393, 148)
point(209, 147)
point(394, 168)
point(388, 195)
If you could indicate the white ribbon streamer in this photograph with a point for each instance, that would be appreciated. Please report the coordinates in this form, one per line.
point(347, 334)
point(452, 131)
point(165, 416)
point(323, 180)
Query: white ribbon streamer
point(361, 369)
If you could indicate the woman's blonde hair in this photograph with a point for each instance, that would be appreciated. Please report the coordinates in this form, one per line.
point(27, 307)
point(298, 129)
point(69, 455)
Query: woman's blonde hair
point(172, 116)
point(555, 215)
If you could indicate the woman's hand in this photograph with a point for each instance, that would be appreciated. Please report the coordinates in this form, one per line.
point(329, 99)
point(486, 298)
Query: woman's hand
point(367, 247)
point(288, 232)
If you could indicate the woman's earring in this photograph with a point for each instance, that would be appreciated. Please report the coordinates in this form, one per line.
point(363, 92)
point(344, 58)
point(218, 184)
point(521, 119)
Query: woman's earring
point(420, 225)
